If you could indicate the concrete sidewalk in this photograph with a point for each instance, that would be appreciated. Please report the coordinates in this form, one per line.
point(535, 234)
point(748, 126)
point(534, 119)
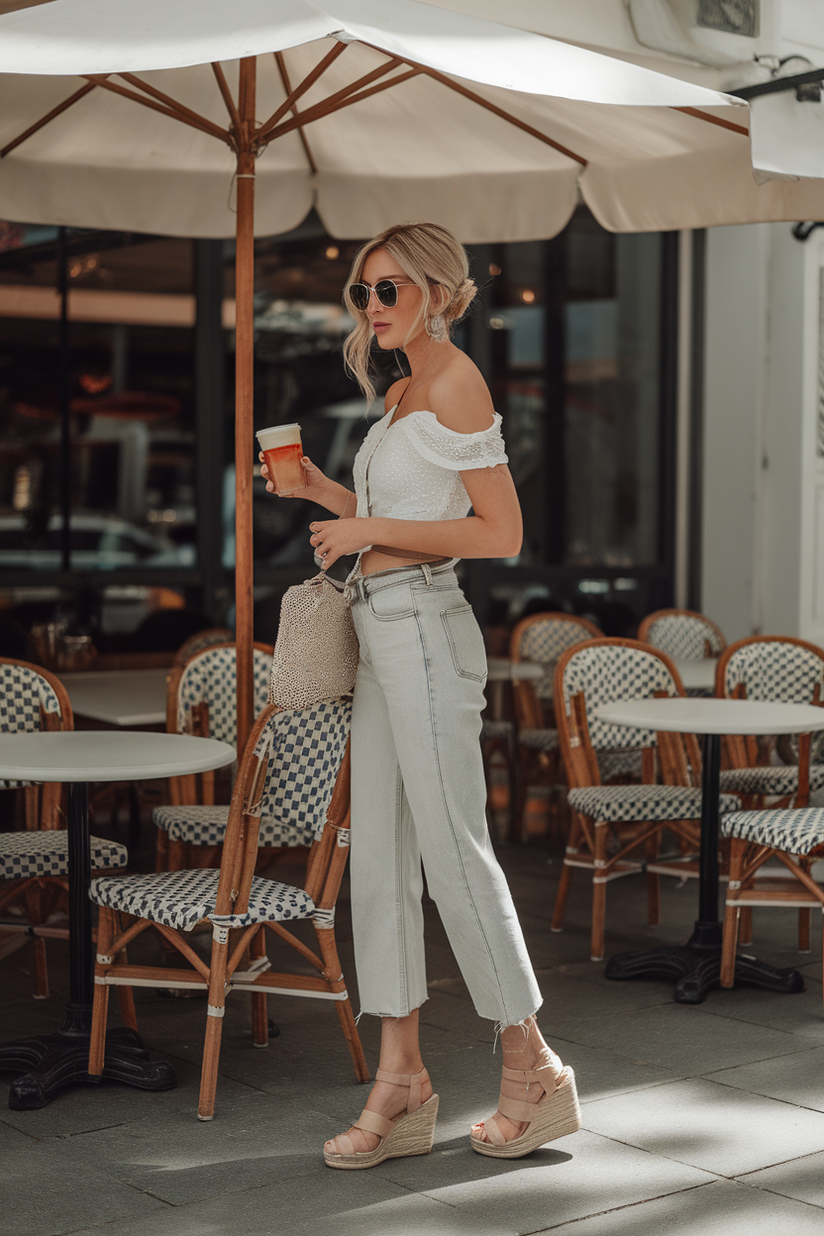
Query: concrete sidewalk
point(694, 1118)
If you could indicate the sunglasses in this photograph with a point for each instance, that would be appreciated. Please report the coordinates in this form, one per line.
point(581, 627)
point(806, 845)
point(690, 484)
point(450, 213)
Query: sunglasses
point(386, 293)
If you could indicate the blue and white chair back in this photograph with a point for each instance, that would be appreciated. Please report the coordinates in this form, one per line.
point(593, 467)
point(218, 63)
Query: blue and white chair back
point(543, 638)
point(680, 633)
point(610, 670)
point(26, 693)
point(211, 678)
point(774, 669)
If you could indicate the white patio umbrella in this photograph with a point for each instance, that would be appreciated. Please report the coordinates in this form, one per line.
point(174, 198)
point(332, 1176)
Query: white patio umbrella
point(138, 116)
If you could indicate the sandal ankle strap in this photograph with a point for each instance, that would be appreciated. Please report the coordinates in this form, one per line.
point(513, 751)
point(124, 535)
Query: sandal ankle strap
point(414, 1081)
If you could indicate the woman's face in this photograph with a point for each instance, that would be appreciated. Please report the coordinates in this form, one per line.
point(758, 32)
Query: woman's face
point(391, 326)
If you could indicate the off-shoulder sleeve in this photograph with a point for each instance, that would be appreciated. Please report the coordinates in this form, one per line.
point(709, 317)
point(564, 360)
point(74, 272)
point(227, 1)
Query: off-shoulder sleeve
point(450, 449)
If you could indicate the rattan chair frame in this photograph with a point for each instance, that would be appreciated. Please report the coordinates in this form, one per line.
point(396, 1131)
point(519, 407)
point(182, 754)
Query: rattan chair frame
point(236, 955)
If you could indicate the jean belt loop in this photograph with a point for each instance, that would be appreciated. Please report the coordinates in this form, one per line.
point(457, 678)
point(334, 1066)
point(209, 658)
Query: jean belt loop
point(427, 572)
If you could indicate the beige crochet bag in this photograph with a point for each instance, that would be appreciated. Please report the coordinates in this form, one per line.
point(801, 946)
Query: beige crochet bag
point(316, 651)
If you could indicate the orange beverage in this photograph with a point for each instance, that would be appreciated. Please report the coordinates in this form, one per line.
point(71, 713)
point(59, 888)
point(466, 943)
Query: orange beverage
point(283, 451)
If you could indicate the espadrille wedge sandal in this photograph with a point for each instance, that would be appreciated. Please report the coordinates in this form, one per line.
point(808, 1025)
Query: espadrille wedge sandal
point(410, 1133)
point(554, 1115)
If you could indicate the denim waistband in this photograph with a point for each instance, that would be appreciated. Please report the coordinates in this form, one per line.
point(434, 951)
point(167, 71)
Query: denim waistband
point(362, 586)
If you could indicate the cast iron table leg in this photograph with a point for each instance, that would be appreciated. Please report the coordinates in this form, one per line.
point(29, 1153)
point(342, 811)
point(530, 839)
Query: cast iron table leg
point(696, 966)
point(50, 1062)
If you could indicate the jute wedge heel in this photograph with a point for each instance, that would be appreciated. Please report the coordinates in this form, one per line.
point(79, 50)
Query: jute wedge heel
point(413, 1132)
point(555, 1114)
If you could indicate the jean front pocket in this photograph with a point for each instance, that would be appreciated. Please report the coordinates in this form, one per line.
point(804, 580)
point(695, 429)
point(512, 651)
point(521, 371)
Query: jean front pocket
point(466, 643)
point(391, 603)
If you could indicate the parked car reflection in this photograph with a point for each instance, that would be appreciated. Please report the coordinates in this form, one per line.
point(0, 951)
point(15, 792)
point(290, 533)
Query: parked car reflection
point(98, 543)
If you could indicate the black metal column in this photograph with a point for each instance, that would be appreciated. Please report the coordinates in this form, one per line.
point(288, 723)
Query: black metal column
point(64, 402)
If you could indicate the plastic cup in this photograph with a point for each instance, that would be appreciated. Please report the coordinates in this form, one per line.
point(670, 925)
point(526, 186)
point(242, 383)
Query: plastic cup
point(283, 451)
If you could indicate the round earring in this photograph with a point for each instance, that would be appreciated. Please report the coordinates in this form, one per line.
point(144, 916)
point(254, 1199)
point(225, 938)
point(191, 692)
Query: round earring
point(436, 328)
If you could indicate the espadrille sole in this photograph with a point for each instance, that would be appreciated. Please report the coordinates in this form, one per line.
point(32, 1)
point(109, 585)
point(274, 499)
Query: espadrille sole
point(556, 1115)
point(413, 1133)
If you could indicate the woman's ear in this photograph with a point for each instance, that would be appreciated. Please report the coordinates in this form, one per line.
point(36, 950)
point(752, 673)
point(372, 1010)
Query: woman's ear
point(438, 298)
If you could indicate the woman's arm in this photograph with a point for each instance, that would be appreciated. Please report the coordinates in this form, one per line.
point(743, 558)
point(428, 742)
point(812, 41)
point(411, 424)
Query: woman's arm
point(495, 530)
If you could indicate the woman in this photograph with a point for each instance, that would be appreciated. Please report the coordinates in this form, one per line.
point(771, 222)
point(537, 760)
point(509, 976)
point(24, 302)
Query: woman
point(418, 792)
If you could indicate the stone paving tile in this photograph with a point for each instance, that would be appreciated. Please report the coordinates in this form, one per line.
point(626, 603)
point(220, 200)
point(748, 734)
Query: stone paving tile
point(799, 1013)
point(681, 1037)
point(802, 1179)
point(43, 1192)
point(733, 1209)
point(795, 1079)
point(710, 1126)
point(576, 1176)
point(181, 1160)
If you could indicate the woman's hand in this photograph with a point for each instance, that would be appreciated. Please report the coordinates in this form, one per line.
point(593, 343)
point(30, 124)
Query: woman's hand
point(316, 481)
point(333, 538)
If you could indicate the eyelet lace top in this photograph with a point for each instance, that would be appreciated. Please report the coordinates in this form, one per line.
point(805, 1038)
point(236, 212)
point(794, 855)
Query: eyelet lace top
point(412, 469)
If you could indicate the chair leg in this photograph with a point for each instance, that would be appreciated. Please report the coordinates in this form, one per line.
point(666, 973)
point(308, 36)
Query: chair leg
point(738, 850)
point(653, 882)
point(260, 1008)
point(562, 894)
point(125, 995)
point(745, 925)
point(599, 894)
point(100, 1008)
point(214, 1023)
point(329, 952)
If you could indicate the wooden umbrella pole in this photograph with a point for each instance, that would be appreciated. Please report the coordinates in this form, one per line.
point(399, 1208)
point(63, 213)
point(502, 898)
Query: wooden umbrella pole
point(244, 397)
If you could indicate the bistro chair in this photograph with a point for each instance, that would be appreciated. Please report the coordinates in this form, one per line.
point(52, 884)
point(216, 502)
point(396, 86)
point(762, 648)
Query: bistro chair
point(34, 862)
point(784, 669)
point(201, 700)
point(682, 633)
point(541, 638)
point(295, 768)
point(201, 641)
point(795, 838)
point(611, 822)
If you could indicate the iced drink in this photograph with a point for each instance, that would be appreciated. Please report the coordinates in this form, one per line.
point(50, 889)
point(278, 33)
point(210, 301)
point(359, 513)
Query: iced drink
point(283, 452)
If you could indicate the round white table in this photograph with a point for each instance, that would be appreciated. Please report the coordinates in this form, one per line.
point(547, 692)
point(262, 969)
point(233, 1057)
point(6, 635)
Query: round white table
point(52, 1061)
point(500, 670)
point(696, 965)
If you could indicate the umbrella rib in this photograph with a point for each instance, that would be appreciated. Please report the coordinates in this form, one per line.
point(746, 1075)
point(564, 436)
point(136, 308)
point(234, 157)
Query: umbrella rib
point(234, 116)
point(287, 86)
point(331, 103)
point(725, 124)
point(204, 126)
point(44, 120)
point(185, 112)
point(497, 111)
point(308, 81)
point(324, 109)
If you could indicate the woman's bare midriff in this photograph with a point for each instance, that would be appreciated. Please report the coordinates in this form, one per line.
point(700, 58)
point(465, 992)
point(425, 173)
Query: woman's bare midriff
point(375, 560)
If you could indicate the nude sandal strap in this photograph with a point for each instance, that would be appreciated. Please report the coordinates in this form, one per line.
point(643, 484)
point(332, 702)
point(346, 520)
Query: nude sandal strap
point(373, 1122)
point(414, 1081)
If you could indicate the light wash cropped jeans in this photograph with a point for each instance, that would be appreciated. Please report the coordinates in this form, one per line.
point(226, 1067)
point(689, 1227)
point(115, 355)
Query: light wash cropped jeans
point(418, 795)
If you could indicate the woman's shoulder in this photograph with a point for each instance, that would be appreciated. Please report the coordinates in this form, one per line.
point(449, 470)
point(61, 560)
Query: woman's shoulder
point(394, 394)
point(460, 399)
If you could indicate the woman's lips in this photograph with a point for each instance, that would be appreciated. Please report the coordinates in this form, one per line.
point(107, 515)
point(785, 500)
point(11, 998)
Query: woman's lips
point(377, 327)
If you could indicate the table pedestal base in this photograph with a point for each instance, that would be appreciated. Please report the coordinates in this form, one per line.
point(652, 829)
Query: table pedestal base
point(61, 1059)
point(696, 967)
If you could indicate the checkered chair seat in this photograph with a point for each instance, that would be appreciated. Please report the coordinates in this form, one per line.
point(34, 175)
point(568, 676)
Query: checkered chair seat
point(26, 855)
point(795, 831)
point(501, 731)
point(772, 779)
point(539, 740)
point(182, 899)
point(614, 804)
point(207, 826)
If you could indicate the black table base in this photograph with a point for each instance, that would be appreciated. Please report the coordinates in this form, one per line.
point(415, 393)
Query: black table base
point(696, 970)
point(51, 1062)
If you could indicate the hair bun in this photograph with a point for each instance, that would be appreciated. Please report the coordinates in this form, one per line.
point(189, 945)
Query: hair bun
point(462, 299)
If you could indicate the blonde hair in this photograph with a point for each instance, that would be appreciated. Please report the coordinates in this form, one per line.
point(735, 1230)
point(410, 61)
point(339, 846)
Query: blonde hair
point(430, 256)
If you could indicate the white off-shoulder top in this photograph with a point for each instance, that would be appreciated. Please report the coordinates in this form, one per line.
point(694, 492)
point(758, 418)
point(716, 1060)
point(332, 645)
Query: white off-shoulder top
point(412, 469)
